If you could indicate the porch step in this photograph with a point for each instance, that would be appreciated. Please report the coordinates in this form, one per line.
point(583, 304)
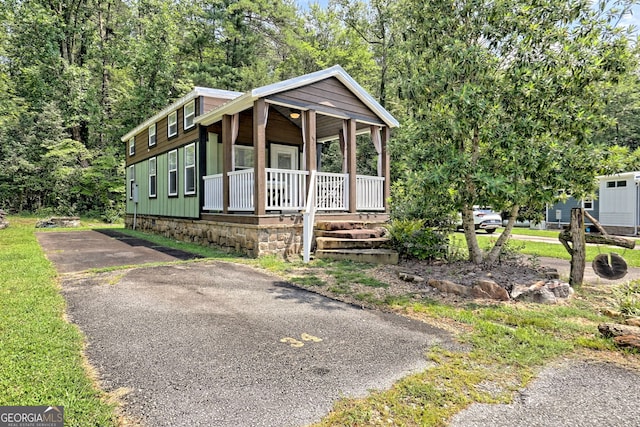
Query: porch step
point(373, 256)
point(347, 225)
point(354, 234)
point(324, 243)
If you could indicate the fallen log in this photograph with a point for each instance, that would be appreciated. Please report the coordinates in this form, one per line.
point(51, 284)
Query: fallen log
point(609, 330)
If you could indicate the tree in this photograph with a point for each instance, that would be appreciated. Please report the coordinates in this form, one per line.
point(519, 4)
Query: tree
point(502, 99)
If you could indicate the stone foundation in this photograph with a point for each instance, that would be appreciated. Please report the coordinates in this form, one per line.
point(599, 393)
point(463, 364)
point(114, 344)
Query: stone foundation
point(248, 239)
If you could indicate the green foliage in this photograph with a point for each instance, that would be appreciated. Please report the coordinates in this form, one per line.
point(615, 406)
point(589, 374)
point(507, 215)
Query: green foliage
point(412, 239)
point(627, 297)
point(502, 100)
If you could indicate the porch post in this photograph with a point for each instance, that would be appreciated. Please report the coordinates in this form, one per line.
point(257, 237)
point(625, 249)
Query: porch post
point(226, 160)
point(310, 140)
point(351, 163)
point(386, 169)
point(259, 147)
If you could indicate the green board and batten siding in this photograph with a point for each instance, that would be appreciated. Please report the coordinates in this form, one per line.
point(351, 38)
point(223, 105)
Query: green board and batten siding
point(180, 206)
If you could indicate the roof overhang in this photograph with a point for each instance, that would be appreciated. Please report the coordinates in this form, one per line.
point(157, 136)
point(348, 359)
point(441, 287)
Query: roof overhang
point(246, 101)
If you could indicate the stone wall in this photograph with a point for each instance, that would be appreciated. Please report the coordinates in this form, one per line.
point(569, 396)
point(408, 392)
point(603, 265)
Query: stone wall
point(252, 240)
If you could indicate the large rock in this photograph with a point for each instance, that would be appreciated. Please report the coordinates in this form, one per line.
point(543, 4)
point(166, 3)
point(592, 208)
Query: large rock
point(449, 287)
point(491, 289)
point(537, 293)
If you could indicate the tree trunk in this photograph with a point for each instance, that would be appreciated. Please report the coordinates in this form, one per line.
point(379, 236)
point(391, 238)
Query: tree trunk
point(475, 253)
point(602, 240)
point(493, 256)
point(579, 247)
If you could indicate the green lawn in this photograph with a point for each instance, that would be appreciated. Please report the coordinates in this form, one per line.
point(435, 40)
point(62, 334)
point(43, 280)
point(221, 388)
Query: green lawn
point(41, 361)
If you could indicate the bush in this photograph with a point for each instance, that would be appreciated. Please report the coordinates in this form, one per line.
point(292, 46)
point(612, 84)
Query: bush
point(412, 239)
point(628, 298)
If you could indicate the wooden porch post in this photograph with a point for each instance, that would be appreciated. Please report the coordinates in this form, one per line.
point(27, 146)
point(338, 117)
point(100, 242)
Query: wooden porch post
point(226, 161)
point(351, 163)
point(386, 169)
point(259, 146)
point(310, 139)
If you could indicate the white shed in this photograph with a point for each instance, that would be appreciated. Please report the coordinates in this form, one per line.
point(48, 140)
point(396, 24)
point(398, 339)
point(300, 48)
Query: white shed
point(618, 198)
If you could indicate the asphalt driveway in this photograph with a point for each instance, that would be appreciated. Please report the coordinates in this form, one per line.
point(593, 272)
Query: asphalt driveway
point(220, 344)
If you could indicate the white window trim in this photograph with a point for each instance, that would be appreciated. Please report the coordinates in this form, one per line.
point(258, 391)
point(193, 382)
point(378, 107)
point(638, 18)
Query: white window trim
point(187, 166)
point(132, 180)
point(132, 146)
point(152, 135)
point(155, 175)
point(587, 200)
point(169, 170)
point(191, 116)
point(172, 119)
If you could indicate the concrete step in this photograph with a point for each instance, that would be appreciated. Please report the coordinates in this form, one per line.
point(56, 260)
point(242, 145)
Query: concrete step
point(337, 243)
point(372, 256)
point(352, 234)
point(346, 225)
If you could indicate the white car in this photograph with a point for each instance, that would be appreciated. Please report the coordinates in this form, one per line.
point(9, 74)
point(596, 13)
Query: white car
point(484, 219)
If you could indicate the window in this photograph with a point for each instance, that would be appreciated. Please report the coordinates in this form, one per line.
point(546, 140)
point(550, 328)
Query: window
point(243, 157)
point(173, 172)
point(615, 184)
point(587, 204)
point(153, 183)
point(172, 124)
point(152, 135)
point(132, 146)
point(132, 181)
point(190, 169)
point(189, 114)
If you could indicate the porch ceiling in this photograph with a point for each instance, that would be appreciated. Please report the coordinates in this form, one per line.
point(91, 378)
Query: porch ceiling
point(327, 127)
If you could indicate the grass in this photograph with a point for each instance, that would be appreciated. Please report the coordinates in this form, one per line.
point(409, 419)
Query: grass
point(504, 345)
point(41, 361)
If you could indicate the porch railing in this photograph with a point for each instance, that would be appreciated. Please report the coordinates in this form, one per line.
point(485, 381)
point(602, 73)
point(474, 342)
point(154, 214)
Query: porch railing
point(212, 192)
point(332, 191)
point(286, 189)
point(241, 190)
point(369, 193)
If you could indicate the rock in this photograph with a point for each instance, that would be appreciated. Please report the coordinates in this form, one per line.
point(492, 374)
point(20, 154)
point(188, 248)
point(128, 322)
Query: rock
point(61, 221)
point(634, 321)
point(537, 293)
point(477, 292)
point(408, 277)
point(611, 313)
point(449, 287)
point(560, 289)
point(551, 274)
point(627, 341)
point(492, 289)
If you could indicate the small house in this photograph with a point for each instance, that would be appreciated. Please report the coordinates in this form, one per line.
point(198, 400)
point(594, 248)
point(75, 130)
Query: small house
point(243, 170)
point(615, 205)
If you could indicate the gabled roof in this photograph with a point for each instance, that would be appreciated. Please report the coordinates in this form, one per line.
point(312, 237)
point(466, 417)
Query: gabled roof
point(195, 93)
point(245, 101)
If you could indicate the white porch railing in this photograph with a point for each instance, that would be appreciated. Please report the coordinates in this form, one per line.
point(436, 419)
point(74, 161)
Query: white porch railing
point(212, 192)
point(332, 191)
point(241, 190)
point(286, 189)
point(369, 193)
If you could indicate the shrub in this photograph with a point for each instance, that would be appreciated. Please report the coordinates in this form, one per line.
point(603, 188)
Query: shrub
point(628, 298)
point(412, 239)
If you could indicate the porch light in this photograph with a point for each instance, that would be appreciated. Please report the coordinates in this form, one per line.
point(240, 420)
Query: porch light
point(294, 114)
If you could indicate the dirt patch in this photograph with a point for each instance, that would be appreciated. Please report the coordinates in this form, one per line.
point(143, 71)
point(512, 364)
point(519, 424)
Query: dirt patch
point(391, 285)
